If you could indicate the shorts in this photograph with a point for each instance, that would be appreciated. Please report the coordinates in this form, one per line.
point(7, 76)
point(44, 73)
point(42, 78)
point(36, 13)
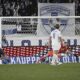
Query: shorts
point(56, 47)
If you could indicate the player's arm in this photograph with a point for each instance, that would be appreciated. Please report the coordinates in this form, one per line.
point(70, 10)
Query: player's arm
point(50, 42)
point(61, 40)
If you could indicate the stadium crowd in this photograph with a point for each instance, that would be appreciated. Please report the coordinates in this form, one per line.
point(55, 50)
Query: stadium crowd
point(29, 7)
point(18, 8)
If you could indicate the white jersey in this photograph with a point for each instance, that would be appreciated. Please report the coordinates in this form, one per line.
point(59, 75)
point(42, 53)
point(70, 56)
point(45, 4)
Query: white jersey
point(55, 34)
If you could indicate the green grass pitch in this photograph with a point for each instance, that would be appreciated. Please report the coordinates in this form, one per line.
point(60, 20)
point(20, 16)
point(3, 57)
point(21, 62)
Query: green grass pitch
point(70, 71)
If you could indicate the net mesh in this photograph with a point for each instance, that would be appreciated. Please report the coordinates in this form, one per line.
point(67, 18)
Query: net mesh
point(41, 26)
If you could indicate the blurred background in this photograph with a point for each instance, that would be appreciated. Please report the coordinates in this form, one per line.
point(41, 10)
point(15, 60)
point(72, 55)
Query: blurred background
point(29, 7)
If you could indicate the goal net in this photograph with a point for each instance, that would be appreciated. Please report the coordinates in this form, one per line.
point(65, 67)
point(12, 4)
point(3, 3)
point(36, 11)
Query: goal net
point(39, 28)
point(28, 36)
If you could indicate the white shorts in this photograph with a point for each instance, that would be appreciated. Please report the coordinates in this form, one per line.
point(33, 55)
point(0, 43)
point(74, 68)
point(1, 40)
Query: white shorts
point(56, 47)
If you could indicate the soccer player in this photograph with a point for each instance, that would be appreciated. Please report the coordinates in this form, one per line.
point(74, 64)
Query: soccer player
point(64, 49)
point(1, 55)
point(4, 59)
point(42, 58)
point(55, 41)
point(4, 41)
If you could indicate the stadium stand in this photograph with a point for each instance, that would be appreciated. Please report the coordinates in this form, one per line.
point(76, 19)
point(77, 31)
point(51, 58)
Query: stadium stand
point(35, 51)
point(25, 51)
point(29, 7)
point(27, 25)
point(18, 7)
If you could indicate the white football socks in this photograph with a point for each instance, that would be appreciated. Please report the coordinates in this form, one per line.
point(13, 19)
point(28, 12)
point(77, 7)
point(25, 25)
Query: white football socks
point(55, 59)
point(0, 61)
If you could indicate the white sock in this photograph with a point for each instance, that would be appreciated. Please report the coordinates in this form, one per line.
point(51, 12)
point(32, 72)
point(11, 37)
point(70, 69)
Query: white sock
point(57, 59)
point(54, 59)
point(0, 61)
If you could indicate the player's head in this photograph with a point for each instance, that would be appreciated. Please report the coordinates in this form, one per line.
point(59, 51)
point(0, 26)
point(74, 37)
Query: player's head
point(57, 26)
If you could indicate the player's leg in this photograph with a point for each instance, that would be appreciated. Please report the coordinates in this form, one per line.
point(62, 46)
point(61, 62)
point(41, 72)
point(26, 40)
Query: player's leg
point(0, 59)
point(53, 62)
point(55, 58)
point(42, 58)
point(54, 48)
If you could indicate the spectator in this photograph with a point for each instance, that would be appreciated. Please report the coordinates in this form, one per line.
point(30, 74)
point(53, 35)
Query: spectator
point(1, 55)
point(7, 11)
point(22, 10)
point(4, 41)
point(30, 6)
point(1, 10)
point(4, 59)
